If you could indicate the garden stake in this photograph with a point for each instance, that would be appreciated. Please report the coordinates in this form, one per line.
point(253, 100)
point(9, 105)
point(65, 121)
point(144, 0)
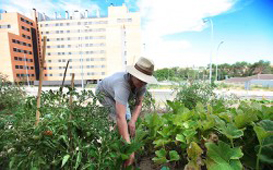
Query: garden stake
point(40, 81)
point(71, 107)
point(64, 76)
point(72, 87)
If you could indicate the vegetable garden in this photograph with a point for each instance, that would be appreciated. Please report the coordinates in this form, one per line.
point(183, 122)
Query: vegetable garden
point(196, 132)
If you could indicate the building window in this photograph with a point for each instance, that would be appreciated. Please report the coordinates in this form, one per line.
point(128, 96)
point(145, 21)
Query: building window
point(50, 68)
point(49, 61)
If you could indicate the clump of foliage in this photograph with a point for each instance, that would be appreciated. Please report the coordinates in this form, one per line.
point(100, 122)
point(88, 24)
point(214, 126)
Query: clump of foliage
point(11, 95)
point(192, 93)
point(68, 136)
point(212, 137)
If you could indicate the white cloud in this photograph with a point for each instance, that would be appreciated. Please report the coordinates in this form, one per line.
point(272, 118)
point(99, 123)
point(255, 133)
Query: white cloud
point(166, 17)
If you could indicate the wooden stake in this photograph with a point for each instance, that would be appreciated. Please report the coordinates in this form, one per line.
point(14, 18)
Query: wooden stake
point(40, 81)
point(64, 76)
point(72, 86)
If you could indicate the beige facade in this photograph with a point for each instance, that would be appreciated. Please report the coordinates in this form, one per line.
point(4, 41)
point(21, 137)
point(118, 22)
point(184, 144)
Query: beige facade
point(17, 36)
point(102, 45)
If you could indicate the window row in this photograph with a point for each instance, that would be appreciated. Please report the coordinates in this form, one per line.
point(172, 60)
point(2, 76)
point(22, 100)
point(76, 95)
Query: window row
point(4, 26)
point(23, 59)
point(76, 38)
point(24, 67)
point(21, 42)
point(26, 21)
point(21, 51)
point(123, 20)
point(77, 46)
point(25, 75)
point(76, 67)
point(77, 52)
point(76, 60)
point(73, 23)
point(76, 74)
point(74, 31)
point(26, 36)
point(25, 28)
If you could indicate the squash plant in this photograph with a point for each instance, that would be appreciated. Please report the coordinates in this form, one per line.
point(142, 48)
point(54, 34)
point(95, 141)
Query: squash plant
point(215, 137)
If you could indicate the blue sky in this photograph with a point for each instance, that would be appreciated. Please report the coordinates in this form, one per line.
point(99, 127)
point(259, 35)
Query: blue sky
point(174, 32)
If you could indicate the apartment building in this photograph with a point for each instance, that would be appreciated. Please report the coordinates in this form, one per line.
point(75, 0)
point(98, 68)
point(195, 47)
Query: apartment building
point(19, 51)
point(96, 46)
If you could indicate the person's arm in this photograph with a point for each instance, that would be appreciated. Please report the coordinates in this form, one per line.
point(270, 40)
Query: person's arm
point(123, 129)
point(121, 121)
point(137, 109)
point(136, 112)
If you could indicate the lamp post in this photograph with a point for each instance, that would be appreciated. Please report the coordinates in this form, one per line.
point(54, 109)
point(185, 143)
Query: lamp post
point(219, 45)
point(211, 39)
point(85, 26)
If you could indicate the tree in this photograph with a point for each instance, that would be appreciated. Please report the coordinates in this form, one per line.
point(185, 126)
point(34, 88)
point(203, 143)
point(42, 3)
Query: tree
point(261, 67)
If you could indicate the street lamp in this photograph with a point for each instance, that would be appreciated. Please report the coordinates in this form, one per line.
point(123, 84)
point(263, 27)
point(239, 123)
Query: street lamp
point(211, 39)
point(82, 56)
point(219, 45)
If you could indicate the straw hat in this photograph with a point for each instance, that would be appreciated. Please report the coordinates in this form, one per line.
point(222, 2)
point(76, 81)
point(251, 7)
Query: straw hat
point(143, 70)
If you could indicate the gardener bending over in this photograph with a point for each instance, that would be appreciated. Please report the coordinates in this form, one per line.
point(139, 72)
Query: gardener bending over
point(118, 88)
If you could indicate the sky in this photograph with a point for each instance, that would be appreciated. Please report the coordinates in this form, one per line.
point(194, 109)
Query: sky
point(184, 33)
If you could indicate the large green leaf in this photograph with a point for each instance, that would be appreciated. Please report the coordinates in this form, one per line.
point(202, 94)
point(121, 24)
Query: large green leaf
point(161, 142)
point(194, 151)
point(180, 138)
point(65, 159)
point(174, 155)
point(194, 154)
point(229, 130)
point(222, 156)
point(78, 160)
point(264, 131)
point(160, 156)
point(244, 118)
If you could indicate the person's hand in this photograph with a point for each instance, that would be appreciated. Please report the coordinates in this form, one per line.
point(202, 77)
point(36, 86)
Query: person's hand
point(130, 161)
point(132, 128)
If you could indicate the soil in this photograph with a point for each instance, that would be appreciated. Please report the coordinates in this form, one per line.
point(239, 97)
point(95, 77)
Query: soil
point(147, 164)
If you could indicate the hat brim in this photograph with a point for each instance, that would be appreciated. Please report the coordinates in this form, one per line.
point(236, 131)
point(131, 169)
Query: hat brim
point(141, 76)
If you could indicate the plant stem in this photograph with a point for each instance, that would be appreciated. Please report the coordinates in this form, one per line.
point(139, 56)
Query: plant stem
point(231, 141)
point(258, 157)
